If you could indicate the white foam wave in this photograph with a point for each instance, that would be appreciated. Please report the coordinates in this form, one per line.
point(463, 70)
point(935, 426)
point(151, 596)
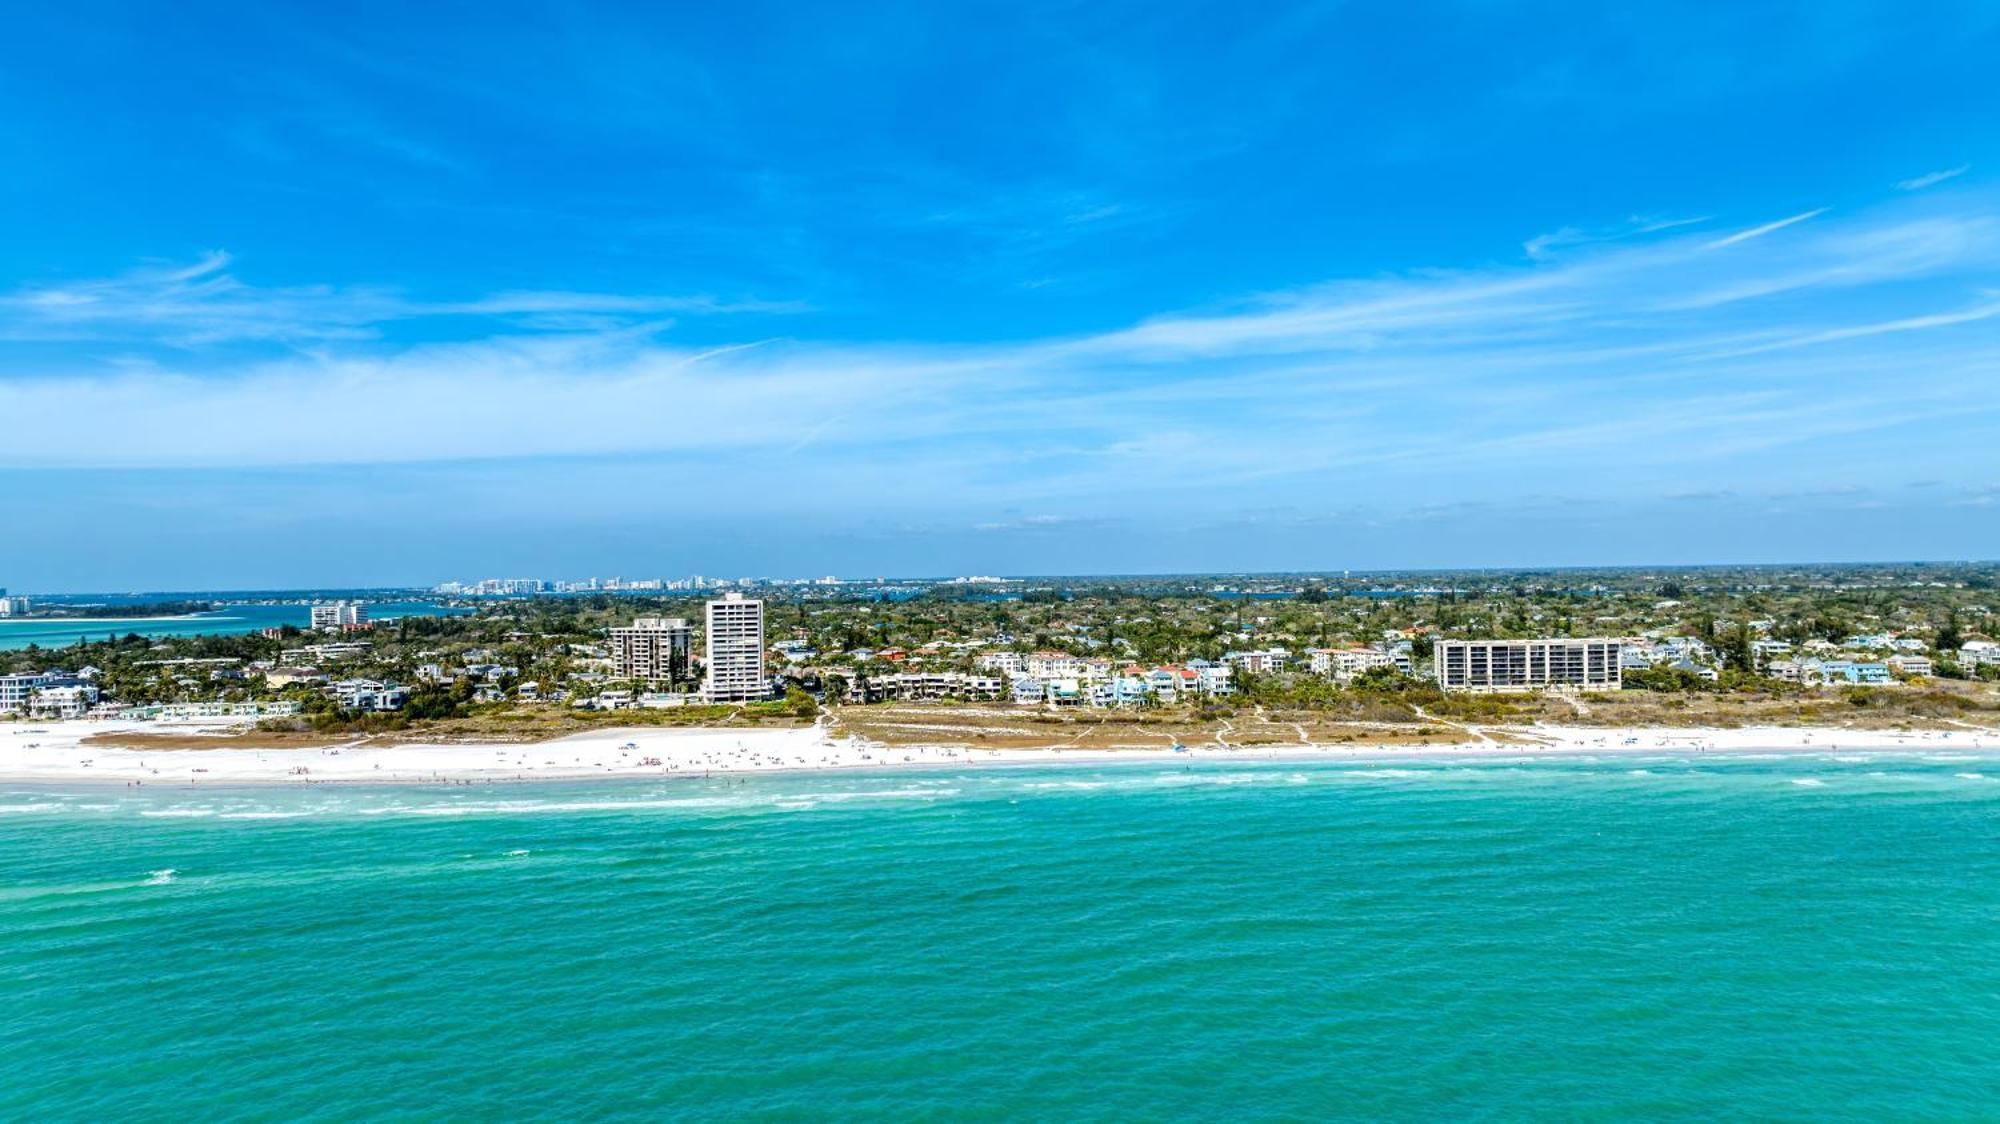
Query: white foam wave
point(1808, 782)
point(160, 877)
point(1211, 778)
point(24, 808)
point(890, 794)
point(534, 807)
point(262, 815)
point(178, 813)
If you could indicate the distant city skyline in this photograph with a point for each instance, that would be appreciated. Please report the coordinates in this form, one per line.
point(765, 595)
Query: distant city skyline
point(701, 586)
point(363, 298)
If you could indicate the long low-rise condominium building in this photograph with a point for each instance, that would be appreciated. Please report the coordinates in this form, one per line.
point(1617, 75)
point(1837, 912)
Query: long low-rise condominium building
point(1526, 665)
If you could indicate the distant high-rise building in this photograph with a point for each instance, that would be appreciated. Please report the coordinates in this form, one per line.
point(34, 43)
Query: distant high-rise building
point(339, 616)
point(656, 649)
point(735, 671)
point(507, 587)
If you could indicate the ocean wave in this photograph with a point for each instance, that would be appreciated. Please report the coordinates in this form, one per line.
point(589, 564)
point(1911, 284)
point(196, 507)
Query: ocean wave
point(177, 813)
point(889, 794)
point(538, 807)
point(159, 877)
point(1211, 778)
point(44, 807)
point(1808, 782)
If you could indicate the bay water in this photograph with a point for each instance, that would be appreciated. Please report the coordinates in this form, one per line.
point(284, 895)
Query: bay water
point(230, 620)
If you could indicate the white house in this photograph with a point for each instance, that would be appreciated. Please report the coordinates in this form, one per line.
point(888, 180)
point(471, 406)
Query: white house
point(1974, 653)
point(1343, 664)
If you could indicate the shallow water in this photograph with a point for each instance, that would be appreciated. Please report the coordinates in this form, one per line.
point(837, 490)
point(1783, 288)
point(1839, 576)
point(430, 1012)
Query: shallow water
point(1666, 936)
point(234, 620)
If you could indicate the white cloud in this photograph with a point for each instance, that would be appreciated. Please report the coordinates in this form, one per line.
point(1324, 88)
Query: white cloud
point(1623, 359)
point(1543, 246)
point(1918, 183)
point(1761, 231)
point(201, 303)
point(1861, 331)
point(1869, 255)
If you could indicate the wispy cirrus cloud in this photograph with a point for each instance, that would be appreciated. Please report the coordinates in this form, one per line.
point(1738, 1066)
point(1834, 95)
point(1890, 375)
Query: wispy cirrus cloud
point(1766, 228)
point(1929, 179)
point(1543, 246)
point(1974, 314)
point(1628, 362)
point(190, 305)
point(1850, 257)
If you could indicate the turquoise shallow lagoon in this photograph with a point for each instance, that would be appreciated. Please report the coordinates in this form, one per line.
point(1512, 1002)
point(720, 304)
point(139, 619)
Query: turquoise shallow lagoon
point(231, 620)
point(1672, 937)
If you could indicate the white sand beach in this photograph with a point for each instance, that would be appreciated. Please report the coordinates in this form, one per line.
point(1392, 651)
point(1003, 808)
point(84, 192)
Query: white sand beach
point(55, 752)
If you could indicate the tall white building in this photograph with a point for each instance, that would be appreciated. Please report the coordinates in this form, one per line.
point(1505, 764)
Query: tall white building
point(1524, 665)
point(339, 615)
point(656, 649)
point(735, 671)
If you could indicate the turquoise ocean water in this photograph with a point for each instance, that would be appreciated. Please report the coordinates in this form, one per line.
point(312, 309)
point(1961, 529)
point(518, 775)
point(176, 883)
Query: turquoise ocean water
point(1675, 937)
point(232, 620)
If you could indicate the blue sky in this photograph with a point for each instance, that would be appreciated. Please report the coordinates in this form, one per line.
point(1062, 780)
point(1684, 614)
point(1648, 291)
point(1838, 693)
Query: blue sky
point(293, 295)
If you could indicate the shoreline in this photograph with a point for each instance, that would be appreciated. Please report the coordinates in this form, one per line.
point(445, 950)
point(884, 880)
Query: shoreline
point(58, 619)
point(53, 753)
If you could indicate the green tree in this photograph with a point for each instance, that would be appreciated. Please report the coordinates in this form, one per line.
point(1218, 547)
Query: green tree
point(1949, 638)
